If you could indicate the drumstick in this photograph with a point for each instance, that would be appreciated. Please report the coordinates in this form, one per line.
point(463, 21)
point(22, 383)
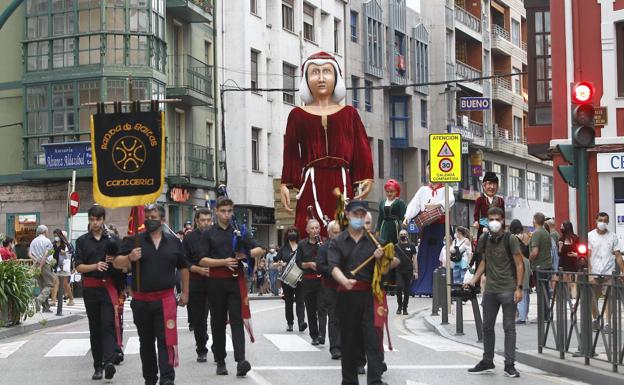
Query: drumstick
point(367, 261)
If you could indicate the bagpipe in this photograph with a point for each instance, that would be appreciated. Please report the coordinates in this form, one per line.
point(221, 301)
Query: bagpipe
point(238, 238)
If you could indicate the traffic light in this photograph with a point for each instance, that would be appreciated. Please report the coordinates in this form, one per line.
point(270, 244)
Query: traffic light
point(568, 172)
point(581, 255)
point(582, 107)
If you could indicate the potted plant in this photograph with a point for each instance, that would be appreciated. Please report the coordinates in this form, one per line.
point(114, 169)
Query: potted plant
point(17, 283)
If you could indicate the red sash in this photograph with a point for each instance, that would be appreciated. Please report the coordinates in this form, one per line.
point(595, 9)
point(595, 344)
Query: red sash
point(359, 286)
point(330, 283)
point(109, 285)
point(225, 273)
point(170, 309)
point(311, 276)
point(195, 276)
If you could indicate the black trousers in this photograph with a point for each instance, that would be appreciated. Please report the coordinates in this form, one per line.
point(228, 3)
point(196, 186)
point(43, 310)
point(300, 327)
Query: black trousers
point(356, 313)
point(101, 317)
point(198, 308)
point(312, 298)
point(294, 297)
point(148, 318)
point(225, 305)
point(403, 282)
point(327, 309)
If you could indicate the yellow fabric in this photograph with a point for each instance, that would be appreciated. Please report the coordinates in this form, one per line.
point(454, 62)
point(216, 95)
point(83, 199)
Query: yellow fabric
point(382, 266)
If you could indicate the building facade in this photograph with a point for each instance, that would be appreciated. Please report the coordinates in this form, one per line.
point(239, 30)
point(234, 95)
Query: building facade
point(591, 53)
point(67, 53)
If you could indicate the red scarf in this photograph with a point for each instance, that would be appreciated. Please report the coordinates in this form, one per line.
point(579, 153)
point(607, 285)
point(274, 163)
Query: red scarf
point(435, 187)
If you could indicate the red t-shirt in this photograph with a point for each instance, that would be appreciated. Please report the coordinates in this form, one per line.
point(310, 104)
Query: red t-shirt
point(6, 254)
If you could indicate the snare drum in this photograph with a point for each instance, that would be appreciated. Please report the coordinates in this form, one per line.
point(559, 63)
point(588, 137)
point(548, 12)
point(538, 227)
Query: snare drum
point(292, 274)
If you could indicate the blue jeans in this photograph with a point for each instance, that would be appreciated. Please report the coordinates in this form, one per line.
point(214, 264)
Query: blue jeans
point(523, 306)
point(273, 280)
point(458, 273)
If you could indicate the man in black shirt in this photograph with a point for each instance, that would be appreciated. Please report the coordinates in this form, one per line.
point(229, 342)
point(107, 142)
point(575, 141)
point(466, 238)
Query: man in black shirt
point(355, 305)
point(406, 271)
point(329, 293)
point(95, 252)
point(154, 309)
point(307, 252)
point(198, 289)
point(222, 250)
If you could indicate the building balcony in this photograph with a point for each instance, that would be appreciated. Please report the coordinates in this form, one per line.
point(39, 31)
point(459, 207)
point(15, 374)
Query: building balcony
point(502, 44)
point(464, 71)
point(501, 91)
point(191, 11)
point(189, 79)
point(449, 15)
point(470, 130)
point(468, 23)
point(505, 143)
point(190, 164)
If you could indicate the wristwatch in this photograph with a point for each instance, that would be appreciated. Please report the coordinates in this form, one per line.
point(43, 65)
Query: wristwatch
point(519, 287)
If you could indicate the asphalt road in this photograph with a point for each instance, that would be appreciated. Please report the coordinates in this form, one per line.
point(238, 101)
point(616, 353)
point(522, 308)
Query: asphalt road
point(61, 356)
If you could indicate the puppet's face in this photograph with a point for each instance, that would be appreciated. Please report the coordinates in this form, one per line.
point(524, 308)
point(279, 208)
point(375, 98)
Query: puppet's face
point(391, 194)
point(490, 188)
point(321, 80)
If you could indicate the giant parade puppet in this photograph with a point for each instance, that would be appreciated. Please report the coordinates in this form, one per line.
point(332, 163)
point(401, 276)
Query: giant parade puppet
point(325, 146)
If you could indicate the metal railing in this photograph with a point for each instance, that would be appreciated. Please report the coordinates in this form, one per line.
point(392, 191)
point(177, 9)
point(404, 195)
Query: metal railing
point(476, 128)
point(467, 72)
point(190, 160)
point(580, 315)
point(185, 71)
point(206, 5)
point(499, 31)
point(503, 134)
point(467, 18)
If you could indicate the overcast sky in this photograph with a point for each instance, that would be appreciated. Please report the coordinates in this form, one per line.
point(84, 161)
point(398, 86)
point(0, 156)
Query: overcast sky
point(414, 4)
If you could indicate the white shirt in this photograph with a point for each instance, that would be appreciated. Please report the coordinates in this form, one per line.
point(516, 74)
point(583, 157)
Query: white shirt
point(602, 247)
point(465, 248)
point(40, 246)
point(424, 196)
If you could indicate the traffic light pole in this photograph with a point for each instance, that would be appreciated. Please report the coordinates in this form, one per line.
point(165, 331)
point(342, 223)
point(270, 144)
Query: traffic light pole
point(581, 190)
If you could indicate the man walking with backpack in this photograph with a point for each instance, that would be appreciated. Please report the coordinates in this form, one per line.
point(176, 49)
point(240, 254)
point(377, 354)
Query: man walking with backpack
point(504, 267)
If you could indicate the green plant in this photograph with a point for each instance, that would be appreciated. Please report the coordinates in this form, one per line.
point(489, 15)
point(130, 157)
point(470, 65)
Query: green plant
point(16, 291)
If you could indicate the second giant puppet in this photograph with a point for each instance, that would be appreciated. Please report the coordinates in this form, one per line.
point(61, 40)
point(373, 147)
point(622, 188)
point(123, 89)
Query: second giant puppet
point(325, 145)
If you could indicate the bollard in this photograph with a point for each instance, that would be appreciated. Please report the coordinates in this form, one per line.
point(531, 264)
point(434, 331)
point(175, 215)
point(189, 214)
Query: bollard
point(435, 295)
point(443, 300)
point(540, 311)
point(561, 317)
point(586, 316)
point(476, 311)
point(459, 317)
point(60, 294)
point(616, 325)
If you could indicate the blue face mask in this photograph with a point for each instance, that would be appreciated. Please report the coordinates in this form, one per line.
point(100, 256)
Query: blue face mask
point(356, 223)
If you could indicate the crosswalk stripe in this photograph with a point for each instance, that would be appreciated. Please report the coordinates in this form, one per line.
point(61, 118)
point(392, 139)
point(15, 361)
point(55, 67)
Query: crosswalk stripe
point(440, 344)
point(9, 348)
point(229, 346)
point(132, 346)
point(77, 347)
point(290, 343)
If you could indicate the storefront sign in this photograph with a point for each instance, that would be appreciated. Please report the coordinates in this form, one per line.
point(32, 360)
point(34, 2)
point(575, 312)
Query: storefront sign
point(600, 116)
point(465, 132)
point(474, 104)
point(611, 162)
point(263, 215)
point(68, 155)
point(179, 194)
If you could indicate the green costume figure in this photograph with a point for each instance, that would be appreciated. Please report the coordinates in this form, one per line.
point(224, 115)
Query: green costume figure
point(391, 213)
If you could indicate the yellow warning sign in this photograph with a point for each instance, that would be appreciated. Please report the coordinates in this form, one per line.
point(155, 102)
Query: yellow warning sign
point(445, 158)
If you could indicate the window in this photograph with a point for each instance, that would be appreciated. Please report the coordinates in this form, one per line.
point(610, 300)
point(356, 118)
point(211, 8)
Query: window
point(308, 22)
point(399, 117)
point(399, 56)
point(63, 53)
point(516, 187)
point(63, 115)
point(116, 16)
point(254, 70)
point(517, 129)
point(424, 159)
point(288, 15)
point(374, 45)
point(210, 135)
point(368, 95)
point(253, 6)
point(37, 110)
point(380, 159)
point(532, 186)
point(138, 16)
point(88, 91)
point(515, 32)
point(539, 53)
point(37, 23)
point(619, 36)
point(354, 26)
point(62, 17)
point(355, 92)
point(89, 50)
point(336, 36)
point(115, 49)
point(115, 90)
point(424, 122)
point(37, 56)
point(255, 149)
point(139, 90)
point(499, 170)
point(396, 158)
point(547, 188)
point(138, 50)
point(289, 83)
point(158, 18)
point(89, 16)
point(208, 52)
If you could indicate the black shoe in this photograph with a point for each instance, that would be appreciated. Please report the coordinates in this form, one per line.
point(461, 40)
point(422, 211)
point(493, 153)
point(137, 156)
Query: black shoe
point(398, 312)
point(314, 341)
point(510, 371)
point(289, 328)
point(202, 357)
point(221, 369)
point(321, 340)
point(384, 367)
point(482, 367)
point(336, 355)
point(98, 374)
point(361, 370)
point(303, 326)
point(109, 371)
point(405, 312)
point(190, 328)
point(119, 357)
point(242, 368)
point(167, 382)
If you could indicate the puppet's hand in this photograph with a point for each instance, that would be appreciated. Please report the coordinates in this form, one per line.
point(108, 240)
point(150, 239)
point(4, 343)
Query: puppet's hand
point(285, 195)
point(365, 188)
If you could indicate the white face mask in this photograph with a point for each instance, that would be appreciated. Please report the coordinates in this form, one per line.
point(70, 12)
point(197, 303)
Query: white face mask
point(601, 226)
point(57, 239)
point(494, 226)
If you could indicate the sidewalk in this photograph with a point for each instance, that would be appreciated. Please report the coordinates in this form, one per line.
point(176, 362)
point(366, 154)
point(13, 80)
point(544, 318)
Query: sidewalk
point(526, 344)
point(45, 320)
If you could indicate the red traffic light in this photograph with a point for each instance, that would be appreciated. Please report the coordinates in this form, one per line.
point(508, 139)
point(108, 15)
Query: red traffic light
point(582, 92)
point(581, 249)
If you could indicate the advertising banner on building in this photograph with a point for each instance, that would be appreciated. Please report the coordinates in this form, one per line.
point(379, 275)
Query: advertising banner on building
point(128, 158)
